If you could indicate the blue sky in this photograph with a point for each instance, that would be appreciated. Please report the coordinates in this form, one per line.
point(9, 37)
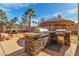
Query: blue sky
point(42, 10)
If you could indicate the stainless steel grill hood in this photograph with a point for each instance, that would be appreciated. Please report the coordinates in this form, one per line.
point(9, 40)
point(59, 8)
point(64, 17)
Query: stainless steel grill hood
point(43, 31)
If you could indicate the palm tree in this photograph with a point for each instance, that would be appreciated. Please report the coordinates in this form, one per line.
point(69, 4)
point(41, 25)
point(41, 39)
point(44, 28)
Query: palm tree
point(3, 20)
point(20, 25)
point(3, 16)
point(30, 13)
point(34, 22)
point(12, 23)
point(25, 21)
point(2, 26)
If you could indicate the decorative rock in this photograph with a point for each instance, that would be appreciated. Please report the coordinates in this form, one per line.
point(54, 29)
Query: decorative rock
point(4, 37)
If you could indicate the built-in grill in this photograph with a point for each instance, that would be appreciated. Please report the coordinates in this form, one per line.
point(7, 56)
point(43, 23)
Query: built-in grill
point(44, 35)
point(36, 41)
point(43, 31)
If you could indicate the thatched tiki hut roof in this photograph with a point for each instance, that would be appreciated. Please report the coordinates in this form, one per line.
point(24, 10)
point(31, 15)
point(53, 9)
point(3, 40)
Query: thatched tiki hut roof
point(60, 23)
point(57, 22)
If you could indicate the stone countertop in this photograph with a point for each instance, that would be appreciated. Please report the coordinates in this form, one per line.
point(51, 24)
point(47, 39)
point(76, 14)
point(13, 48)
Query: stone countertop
point(32, 33)
point(60, 32)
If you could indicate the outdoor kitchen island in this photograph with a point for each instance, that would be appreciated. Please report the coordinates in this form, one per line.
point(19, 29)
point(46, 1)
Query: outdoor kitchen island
point(36, 42)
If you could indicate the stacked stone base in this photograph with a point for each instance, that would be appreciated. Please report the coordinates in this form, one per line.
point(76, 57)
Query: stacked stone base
point(35, 44)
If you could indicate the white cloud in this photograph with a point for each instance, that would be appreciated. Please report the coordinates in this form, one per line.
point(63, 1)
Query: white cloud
point(7, 7)
point(66, 12)
point(16, 5)
point(8, 11)
point(72, 11)
point(76, 21)
point(56, 14)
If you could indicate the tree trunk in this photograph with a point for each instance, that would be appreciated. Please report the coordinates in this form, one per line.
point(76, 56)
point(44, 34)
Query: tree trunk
point(1, 29)
point(29, 23)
